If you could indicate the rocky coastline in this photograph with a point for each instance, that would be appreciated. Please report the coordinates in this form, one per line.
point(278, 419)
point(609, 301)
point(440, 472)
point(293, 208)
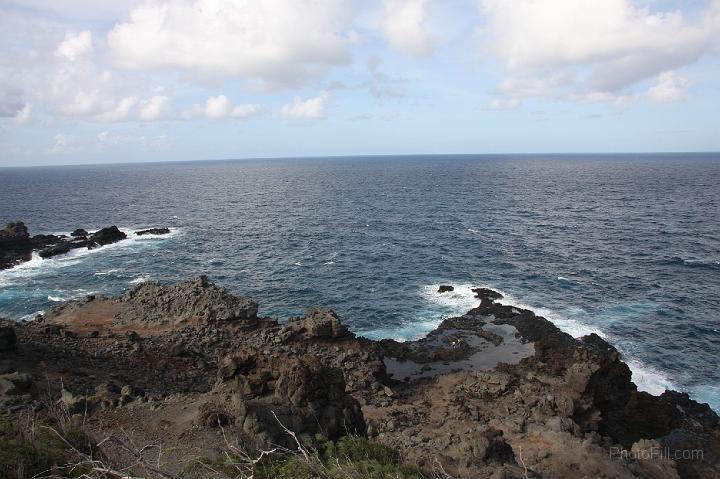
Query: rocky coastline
point(17, 245)
point(497, 392)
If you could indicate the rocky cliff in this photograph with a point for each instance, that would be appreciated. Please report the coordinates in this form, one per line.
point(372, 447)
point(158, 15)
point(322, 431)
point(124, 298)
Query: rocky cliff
point(497, 392)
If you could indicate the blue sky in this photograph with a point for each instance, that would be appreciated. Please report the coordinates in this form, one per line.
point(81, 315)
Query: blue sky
point(157, 80)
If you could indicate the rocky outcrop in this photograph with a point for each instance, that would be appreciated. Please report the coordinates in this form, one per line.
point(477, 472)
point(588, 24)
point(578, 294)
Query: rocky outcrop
point(445, 288)
point(319, 323)
point(108, 235)
point(62, 247)
point(17, 246)
point(153, 231)
point(270, 394)
point(487, 294)
point(8, 339)
point(192, 357)
point(14, 235)
point(196, 301)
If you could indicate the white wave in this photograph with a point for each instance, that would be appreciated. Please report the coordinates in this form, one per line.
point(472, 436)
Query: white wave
point(329, 262)
point(707, 393)
point(647, 378)
point(140, 279)
point(452, 303)
point(472, 230)
point(37, 265)
point(298, 263)
point(564, 322)
point(462, 299)
point(56, 299)
point(456, 302)
point(31, 316)
point(406, 332)
point(562, 278)
point(151, 237)
point(103, 273)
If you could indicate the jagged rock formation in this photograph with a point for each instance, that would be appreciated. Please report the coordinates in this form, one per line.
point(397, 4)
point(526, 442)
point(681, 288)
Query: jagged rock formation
point(319, 323)
point(497, 392)
point(196, 300)
point(153, 231)
point(17, 246)
point(277, 392)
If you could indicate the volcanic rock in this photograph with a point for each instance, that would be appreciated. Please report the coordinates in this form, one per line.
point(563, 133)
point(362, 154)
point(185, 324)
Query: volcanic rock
point(153, 231)
point(55, 250)
point(108, 235)
point(14, 235)
point(488, 294)
point(40, 241)
point(320, 323)
point(555, 406)
point(15, 245)
point(8, 339)
point(15, 384)
point(196, 300)
point(445, 288)
point(300, 394)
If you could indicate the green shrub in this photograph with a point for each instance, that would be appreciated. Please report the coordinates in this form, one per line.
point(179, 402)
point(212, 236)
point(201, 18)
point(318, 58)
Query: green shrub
point(348, 458)
point(37, 450)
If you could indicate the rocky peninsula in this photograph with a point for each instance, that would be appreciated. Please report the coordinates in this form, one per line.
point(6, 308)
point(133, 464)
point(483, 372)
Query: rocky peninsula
point(17, 246)
point(195, 372)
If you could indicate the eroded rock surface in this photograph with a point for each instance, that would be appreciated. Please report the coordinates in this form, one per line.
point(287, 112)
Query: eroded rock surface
point(499, 391)
point(17, 246)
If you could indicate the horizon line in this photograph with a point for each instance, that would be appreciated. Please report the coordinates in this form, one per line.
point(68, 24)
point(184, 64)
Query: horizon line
point(376, 155)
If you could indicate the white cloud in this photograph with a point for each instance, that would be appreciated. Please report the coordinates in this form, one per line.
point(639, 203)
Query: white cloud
point(159, 142)
point(218, 107)
point(403, 25)
point(120, 112)
point(584, 47)
point(155, 108)
point(75, 46)
point(303, 109)
point(275, 42)
point(79, 88)
point(105, 138)
point(505, 104)
point(77, 10)
point(382, 85)
point(63, 144)
point(23, 115)
point(669, 88)
point(245, 111)
point(11, 101)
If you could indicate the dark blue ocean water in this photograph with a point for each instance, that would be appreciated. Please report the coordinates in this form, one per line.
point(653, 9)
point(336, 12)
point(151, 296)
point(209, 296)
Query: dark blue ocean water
point(627, 246)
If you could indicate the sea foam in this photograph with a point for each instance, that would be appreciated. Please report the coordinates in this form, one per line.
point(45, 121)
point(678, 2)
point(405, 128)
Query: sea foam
point(37, 265)
point(462, 299)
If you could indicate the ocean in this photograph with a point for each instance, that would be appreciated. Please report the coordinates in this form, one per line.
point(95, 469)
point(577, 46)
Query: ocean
point(627, 246)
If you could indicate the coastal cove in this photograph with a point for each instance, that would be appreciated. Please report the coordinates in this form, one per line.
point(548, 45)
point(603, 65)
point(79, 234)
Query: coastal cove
point(625, 246)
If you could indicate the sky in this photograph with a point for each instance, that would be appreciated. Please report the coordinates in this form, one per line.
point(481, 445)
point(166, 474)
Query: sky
point(88, 81)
